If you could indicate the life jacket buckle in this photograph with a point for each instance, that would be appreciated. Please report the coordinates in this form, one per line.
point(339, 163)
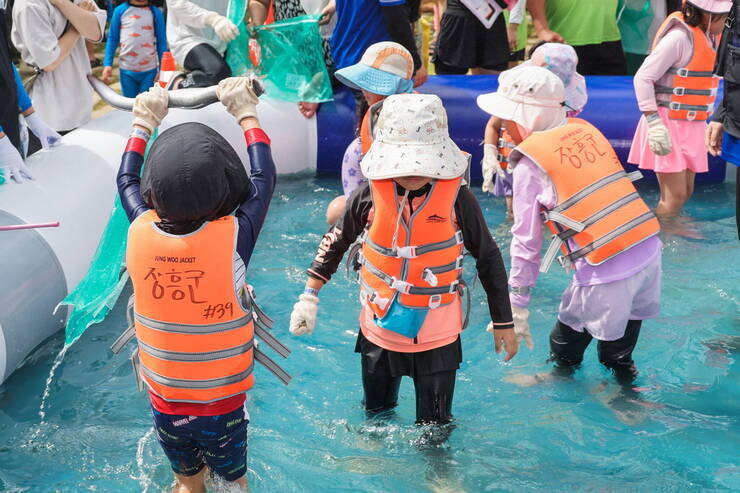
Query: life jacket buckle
point(406, 252)
point(459, 262)
point(674, 106)
point(565, 263)
point(380, 301)
point(429, 277)
point(401, 286)
point(682, 72)
point(459, 237)
point(434, 301)
point(453, 286)
point(679, 91)
point(691, 115)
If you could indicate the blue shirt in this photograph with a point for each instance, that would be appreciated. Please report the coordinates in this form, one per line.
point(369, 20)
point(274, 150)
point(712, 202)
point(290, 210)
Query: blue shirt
point(359, 24)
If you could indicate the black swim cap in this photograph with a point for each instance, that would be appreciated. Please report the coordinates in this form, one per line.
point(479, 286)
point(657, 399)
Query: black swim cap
point(192, 175)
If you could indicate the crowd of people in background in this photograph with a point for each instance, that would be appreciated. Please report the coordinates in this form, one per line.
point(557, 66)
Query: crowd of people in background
point(56, 40)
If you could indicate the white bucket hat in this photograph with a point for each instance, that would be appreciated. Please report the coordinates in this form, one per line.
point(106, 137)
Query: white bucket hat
point(411, 139)
point(533, 97)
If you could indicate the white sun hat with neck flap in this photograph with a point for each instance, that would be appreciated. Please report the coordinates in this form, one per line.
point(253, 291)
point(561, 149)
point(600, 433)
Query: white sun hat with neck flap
point(411, 139)
point(533, 97)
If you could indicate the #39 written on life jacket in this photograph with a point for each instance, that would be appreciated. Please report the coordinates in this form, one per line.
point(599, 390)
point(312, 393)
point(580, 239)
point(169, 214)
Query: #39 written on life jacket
point(487, 11)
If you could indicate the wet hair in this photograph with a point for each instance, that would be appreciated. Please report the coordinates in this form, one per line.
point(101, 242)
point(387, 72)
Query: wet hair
point(693, 16)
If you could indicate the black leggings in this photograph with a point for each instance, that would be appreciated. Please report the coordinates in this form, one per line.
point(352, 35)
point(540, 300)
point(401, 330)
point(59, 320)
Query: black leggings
point(206, 67)
point(567, 347)
point(433, 393)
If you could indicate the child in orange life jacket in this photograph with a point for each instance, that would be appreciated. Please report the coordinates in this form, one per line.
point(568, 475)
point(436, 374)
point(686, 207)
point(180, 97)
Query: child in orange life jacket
point(413, 218)
point(568, 173)
point(676, 92)
point(385, 68)
point(187, 257)
point(558, 58)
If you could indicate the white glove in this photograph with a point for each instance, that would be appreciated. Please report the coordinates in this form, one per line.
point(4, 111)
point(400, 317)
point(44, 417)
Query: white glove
point(303, 317)
point(225, 29)
point(150, 108)
point(521, 326)
point(237, 94)
point(11, 162)
point(490, 166)
point(47, 136)
point(658, 136)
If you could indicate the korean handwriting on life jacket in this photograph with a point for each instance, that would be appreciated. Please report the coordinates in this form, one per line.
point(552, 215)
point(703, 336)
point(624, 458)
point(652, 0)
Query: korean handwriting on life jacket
point(579, 150)
point(175, 285)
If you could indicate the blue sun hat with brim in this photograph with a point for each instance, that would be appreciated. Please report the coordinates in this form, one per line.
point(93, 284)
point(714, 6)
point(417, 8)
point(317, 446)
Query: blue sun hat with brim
point(385, 68)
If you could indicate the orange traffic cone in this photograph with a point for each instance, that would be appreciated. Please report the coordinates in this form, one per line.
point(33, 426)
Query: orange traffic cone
point(167, 70)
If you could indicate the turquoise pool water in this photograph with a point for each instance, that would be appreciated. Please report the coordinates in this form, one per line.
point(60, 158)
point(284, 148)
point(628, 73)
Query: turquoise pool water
point(683, 434)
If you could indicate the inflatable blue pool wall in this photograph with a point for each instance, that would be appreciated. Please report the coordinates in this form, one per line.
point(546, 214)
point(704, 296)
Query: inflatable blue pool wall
point(612, 107)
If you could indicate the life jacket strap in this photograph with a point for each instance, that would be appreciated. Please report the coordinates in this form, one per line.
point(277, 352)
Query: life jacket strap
point(550, 254)
point(197, 384)
point(502, 159)
point(585, 192)
point(193, 328)
point(406, 287)
point(582, 252)
point(568, 233)
point(684, 72)
point(563, 220)
point(429, 273)
point(194, 356)
point(270, 364)
point(502, 143)
point(685, 91)
point(136, 364)
point(409, 252)
point(127, 336)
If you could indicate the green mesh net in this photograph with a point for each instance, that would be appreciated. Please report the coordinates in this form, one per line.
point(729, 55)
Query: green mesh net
point(291, 56)
point(98, 292)
point(635, 18)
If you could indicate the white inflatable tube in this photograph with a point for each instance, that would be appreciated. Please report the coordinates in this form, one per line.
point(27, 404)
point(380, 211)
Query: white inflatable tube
point(76, 185)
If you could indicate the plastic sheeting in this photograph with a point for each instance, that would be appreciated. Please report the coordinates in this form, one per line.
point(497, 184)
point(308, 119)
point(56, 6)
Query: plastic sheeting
point(288, 53)
point(98, 292)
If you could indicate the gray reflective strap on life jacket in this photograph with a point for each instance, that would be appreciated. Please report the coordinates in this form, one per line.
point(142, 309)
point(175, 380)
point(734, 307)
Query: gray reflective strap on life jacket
point(502, 159)
point(130, 332)
point(193, 328)
point(136, 364)
point(506, 144)
point(582, 252)
point(574, 199)
point(684, 91)
point(259, 316)
point(564, 220)
point(521, 290)
point(686, 107)
point(390, 281)
point(551, 253)
point(197, 384)
point(418, 250)
point(684, 72)
point(351, 264)
point(602, 214)
point(271, 341)
point(441, 269)
point(127, 336)
point(468, 302)
point(268, 363)
point(195, 357)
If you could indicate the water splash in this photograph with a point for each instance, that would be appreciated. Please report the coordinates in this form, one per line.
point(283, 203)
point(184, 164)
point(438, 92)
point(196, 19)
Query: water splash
point(47, 390)
point(146, 482)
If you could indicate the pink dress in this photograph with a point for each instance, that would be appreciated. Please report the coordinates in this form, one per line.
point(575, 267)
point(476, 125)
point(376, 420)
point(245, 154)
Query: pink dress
point(673, 51)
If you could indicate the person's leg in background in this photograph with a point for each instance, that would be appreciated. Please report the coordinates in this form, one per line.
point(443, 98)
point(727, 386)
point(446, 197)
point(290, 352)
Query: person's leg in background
point(491, 48)
point(129, 83)
point(567, 347)
point(455, 50)
point(617, 355)
point(674, 189)
point(206, 67)
point(146, 80)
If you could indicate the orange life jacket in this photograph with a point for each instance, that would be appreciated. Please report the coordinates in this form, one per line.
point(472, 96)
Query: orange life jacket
point(415, 259)
point(195, 338)
point(693, 89)
point(599, 213)
point(505, 146)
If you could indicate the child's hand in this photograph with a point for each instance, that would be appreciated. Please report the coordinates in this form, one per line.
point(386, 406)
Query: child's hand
point(238, 95)
point(512, 35)
point(107, 74)
point(151, 107)
point(490, 167)
point(504, 339)
point(88, 5)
